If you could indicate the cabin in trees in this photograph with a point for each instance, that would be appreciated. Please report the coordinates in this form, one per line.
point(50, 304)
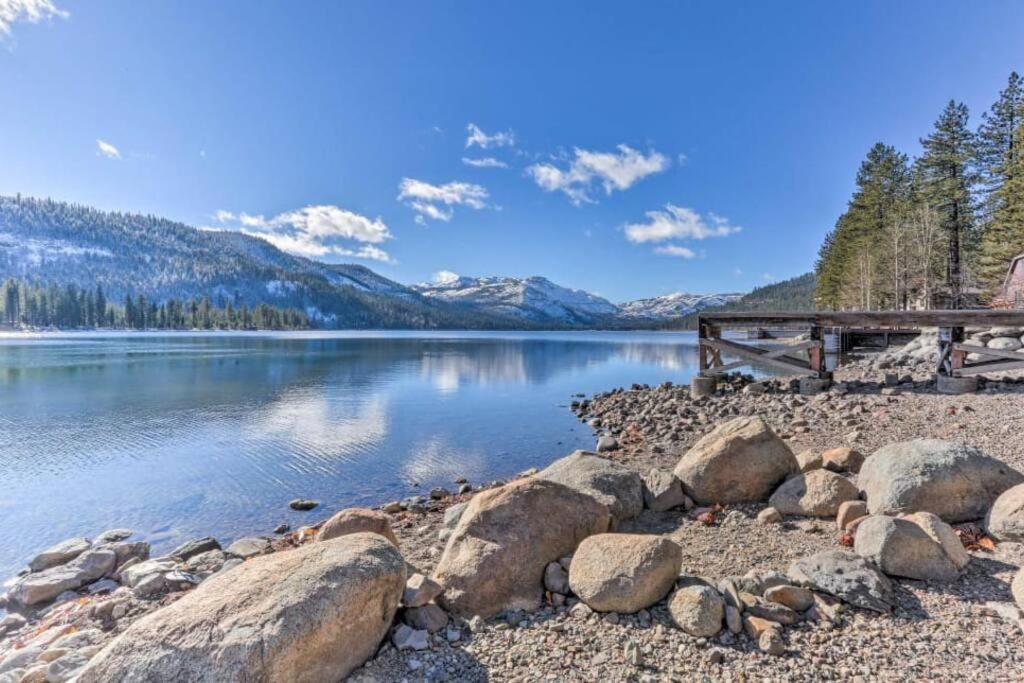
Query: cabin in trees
point(1012, 293)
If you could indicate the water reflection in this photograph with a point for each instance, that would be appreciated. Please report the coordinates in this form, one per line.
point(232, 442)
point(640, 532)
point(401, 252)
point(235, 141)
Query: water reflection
point(179, 435)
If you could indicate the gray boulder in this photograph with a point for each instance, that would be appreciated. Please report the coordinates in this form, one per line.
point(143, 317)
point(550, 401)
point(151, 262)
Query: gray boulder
point(901, 548)
point(1005, 521)
point(616, 487)
point(954, 481)
point(818, 493)
point(59, 554)
point(740, 461)
point(846, 576)
point(312, 614)
point(89, 566)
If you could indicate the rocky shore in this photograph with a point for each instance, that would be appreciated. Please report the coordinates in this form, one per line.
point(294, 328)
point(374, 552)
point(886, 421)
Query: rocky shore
point(874, 531)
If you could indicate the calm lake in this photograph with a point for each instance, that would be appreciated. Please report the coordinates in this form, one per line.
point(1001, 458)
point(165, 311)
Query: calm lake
point(181, 435)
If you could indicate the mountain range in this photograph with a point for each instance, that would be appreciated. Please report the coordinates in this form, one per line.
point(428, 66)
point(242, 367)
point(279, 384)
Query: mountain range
point(59, 243)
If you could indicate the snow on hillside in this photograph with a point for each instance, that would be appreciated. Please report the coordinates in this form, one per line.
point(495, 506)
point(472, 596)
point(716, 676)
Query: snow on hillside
point(531, 298)
point(673, 305)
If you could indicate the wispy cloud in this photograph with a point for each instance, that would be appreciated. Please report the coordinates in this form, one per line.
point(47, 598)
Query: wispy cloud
point(315, 231)
point(437, 202)
point(29, 11)
point(104, 148)
point(484, 141)
point(617, 170)
point(675, 250)
point(678, 222)
point(485, 162)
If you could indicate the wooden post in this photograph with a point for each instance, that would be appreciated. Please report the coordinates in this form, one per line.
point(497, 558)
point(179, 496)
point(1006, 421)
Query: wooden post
point(702, 334)
point(956, 356)
point(817, 352)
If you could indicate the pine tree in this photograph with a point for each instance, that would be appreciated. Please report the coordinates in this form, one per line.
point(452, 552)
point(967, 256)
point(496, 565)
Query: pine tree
point(996, 146)
point(1004, 236)
point(947, 181)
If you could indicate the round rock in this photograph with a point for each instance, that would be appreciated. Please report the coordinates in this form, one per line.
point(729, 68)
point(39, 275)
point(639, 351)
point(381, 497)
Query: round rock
point(818, 493)
point(697, 610)
point(624, 573)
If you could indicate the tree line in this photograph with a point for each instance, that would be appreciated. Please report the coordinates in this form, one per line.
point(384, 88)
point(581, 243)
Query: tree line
point(936, 231)
point(29, 304)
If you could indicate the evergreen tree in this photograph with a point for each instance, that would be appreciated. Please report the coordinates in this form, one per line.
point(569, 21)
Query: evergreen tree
point(947, 181)
point(997, 148)
point(1004, 236)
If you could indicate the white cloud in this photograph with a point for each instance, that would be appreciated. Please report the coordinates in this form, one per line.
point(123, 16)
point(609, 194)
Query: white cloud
point(675, 250)
point(105, 148)
point(316, 231)
point(30, 11)
point(484, 141)
point(485, 162)
point(445, 277)
point(678, 222)
point(436, 202)
point(613, 170)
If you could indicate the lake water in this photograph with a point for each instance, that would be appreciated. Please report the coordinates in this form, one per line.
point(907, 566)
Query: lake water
point(180, 435)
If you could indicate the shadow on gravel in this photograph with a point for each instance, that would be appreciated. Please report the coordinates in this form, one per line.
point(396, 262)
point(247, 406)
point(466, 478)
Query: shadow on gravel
point(979, 584)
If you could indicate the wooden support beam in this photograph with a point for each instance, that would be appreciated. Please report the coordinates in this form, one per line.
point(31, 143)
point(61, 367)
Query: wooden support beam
point(780, 353)
point(755, 355)
point(991, 366)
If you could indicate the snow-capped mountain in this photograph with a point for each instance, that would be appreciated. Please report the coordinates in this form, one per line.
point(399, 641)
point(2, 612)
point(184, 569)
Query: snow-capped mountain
point(531, 298)
point(673, 305)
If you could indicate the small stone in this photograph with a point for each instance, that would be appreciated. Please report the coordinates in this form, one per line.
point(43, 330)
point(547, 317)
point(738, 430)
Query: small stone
point(755, 626)
point(607, 443)
point(429, 618)
point(303, 504)
point(697, 610)
point(769, 516)
point(556, 578)
point(439, 493)
point(194, 547)
point(793, 597)
point(773, 612)
point(419, 590)
point(770, 642)
point(392, 508)
point(632, 653)
point(405, 638)
point(114, 535)
point(250, 546)
point(282, 528)
point(733, 619)
point(850, 510)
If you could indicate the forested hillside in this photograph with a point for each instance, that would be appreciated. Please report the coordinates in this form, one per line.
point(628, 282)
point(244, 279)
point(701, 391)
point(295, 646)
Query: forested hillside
point(794, 294)
point(46, 244)
point(938, 230)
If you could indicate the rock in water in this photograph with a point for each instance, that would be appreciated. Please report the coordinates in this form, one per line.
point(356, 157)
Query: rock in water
point(739, 461)
point(44, 586)
point(845, 575)
point(311, 614)
point(496, 556)
point(1005, 520)
point(620, 489)
point(624, 573)
point(63, 552)
point(662, 491)
point(901, 548)
point(357, 520)
point(818, 493)
point(954, 481)
point(303, 504)
point(697, 610)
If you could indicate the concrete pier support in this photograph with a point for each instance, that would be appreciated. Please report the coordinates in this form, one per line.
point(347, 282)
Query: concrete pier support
point(702, 386)
point(814, 385)
point(947, 384)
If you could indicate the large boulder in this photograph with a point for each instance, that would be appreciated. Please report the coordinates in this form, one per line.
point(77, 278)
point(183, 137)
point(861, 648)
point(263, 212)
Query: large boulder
point(311, 614)
point(846, 576)
point(1005, 521)
point(819, 493)
point(624, 572)
point(954, 481)
point(619, 488)
point(357, 520)
point(901, 548)
point(741, 460)
point(496, 556)
point(38, 587)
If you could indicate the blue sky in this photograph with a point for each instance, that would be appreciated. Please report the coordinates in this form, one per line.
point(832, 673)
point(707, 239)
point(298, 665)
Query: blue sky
point(631, 149)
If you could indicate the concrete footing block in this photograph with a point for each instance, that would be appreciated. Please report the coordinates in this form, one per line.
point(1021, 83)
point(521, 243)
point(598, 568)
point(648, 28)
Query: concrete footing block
point(703, 386)
point(814, 385)
point(956, 385)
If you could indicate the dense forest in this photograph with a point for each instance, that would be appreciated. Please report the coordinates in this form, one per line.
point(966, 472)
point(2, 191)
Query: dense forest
point(935, 231)
point(26, 304)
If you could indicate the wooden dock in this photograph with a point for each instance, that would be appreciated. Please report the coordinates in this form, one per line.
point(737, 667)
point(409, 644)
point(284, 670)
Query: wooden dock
point(808, 358)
